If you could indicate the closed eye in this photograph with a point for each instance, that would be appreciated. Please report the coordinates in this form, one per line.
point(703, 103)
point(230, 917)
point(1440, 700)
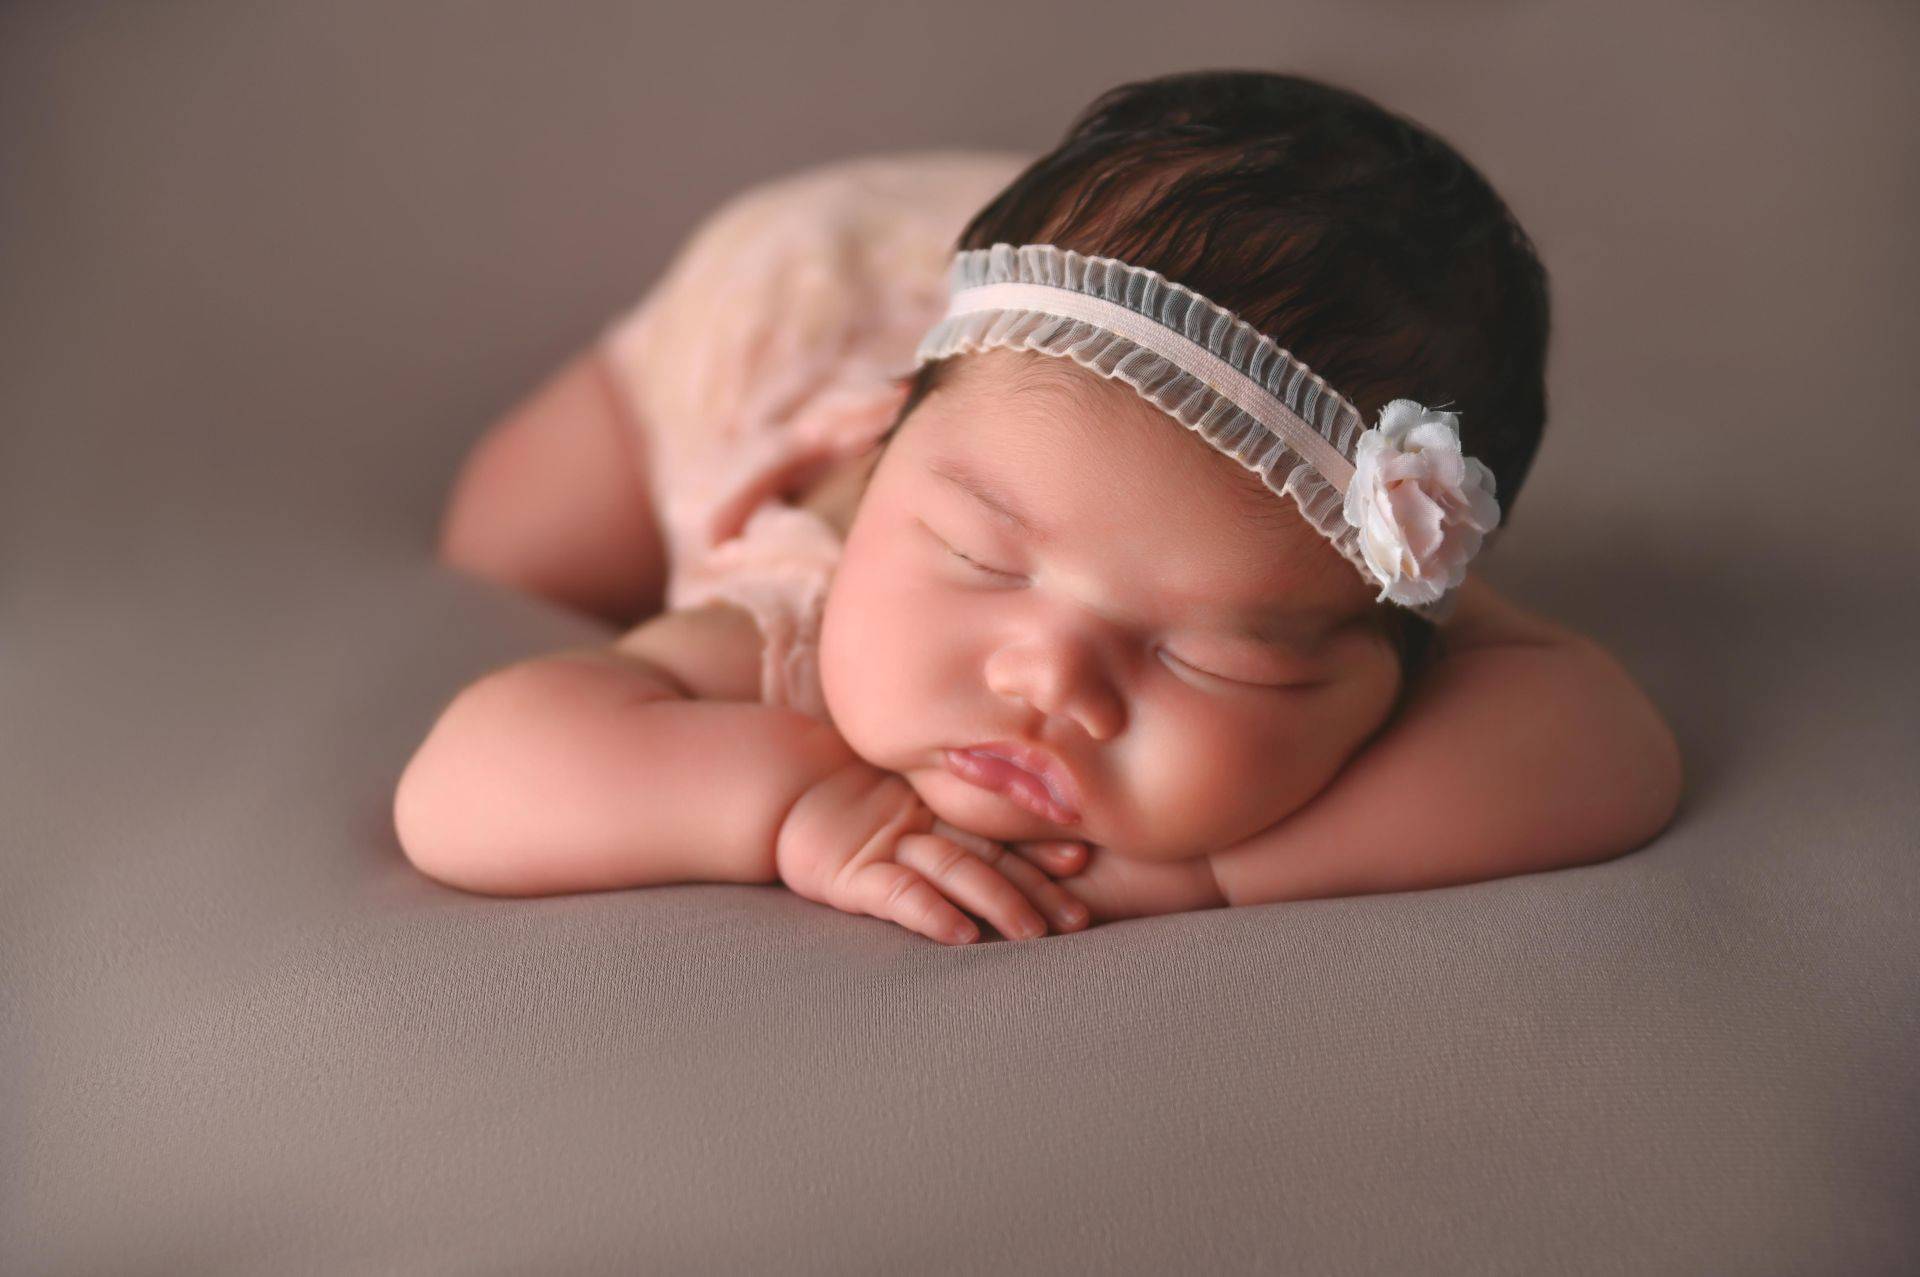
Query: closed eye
point(1239, 682)
point(1207, 674)
point(1218, 678)
point(976, 563)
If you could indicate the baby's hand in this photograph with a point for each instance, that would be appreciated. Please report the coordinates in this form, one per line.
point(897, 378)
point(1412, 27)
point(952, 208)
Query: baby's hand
point(862, 841)
point(1057, 857)
point(1113, 887)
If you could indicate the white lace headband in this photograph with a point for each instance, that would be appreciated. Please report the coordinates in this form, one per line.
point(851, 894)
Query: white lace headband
point(1399, 501)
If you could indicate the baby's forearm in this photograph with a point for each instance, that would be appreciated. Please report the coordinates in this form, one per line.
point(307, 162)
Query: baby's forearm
point(585, 772)
point(1114, 886)
point(1507, 759)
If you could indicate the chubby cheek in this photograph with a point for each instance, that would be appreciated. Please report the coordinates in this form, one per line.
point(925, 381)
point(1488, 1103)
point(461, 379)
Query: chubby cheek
point(1235, 782)
point(1209, 774)
point(880, 658)
point(1205, 777)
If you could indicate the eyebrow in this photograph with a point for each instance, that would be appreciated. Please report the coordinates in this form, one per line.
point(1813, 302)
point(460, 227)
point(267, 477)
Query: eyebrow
point(980, 489)
point(1277, 624)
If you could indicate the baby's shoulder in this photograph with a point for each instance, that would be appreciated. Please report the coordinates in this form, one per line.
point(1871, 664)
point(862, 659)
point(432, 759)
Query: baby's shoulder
point(713, 651)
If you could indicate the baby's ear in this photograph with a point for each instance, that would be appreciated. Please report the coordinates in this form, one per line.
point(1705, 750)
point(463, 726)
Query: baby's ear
point(851, 414)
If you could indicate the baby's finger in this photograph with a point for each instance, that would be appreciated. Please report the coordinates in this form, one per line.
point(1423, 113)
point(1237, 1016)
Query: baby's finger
point(1061, 859)
point(1016, 861)
point(1052, 899)
point(969, 881)
point(975, 843)
point(897, 893)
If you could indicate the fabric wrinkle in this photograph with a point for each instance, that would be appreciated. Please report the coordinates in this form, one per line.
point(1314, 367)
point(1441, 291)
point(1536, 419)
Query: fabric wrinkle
point(776, 344)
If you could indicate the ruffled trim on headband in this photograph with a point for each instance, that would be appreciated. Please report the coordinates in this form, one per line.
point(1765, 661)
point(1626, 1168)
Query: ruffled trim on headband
point(1179, 394)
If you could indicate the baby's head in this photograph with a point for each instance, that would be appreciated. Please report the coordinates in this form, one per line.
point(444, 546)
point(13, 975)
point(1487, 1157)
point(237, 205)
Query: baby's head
point(1194, 654)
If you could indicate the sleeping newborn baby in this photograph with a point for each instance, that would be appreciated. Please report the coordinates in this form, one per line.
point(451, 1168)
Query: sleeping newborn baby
point(1060, 614)
point(1060, 579)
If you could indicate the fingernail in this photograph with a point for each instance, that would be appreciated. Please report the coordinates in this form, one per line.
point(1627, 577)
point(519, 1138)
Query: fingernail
point(1074, 913)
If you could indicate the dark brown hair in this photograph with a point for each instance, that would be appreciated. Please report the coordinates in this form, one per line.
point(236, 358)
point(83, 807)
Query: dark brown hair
point(1359, 241)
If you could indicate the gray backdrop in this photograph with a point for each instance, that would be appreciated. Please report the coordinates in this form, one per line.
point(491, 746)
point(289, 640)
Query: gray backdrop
point(267, 272)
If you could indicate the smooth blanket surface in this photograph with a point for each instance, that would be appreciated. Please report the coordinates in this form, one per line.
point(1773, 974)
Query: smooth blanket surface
point(265, 275)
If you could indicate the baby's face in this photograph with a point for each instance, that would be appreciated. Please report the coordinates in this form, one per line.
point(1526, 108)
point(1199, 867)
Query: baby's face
point(1121, 634)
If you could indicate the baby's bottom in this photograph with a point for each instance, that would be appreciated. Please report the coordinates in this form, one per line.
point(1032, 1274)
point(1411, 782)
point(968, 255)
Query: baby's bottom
point(554, 501)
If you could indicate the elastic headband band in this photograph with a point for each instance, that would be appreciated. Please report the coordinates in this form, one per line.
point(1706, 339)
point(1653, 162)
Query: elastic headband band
point(1176, 349)
point(1399, 501)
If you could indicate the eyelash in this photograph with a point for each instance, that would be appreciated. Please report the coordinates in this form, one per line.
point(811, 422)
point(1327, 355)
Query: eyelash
point(1218, 678)
point(976, 563)
point(1231, 682)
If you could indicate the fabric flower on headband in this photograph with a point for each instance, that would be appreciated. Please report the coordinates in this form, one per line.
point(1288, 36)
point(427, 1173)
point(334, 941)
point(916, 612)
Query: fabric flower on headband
point(1422, 508)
